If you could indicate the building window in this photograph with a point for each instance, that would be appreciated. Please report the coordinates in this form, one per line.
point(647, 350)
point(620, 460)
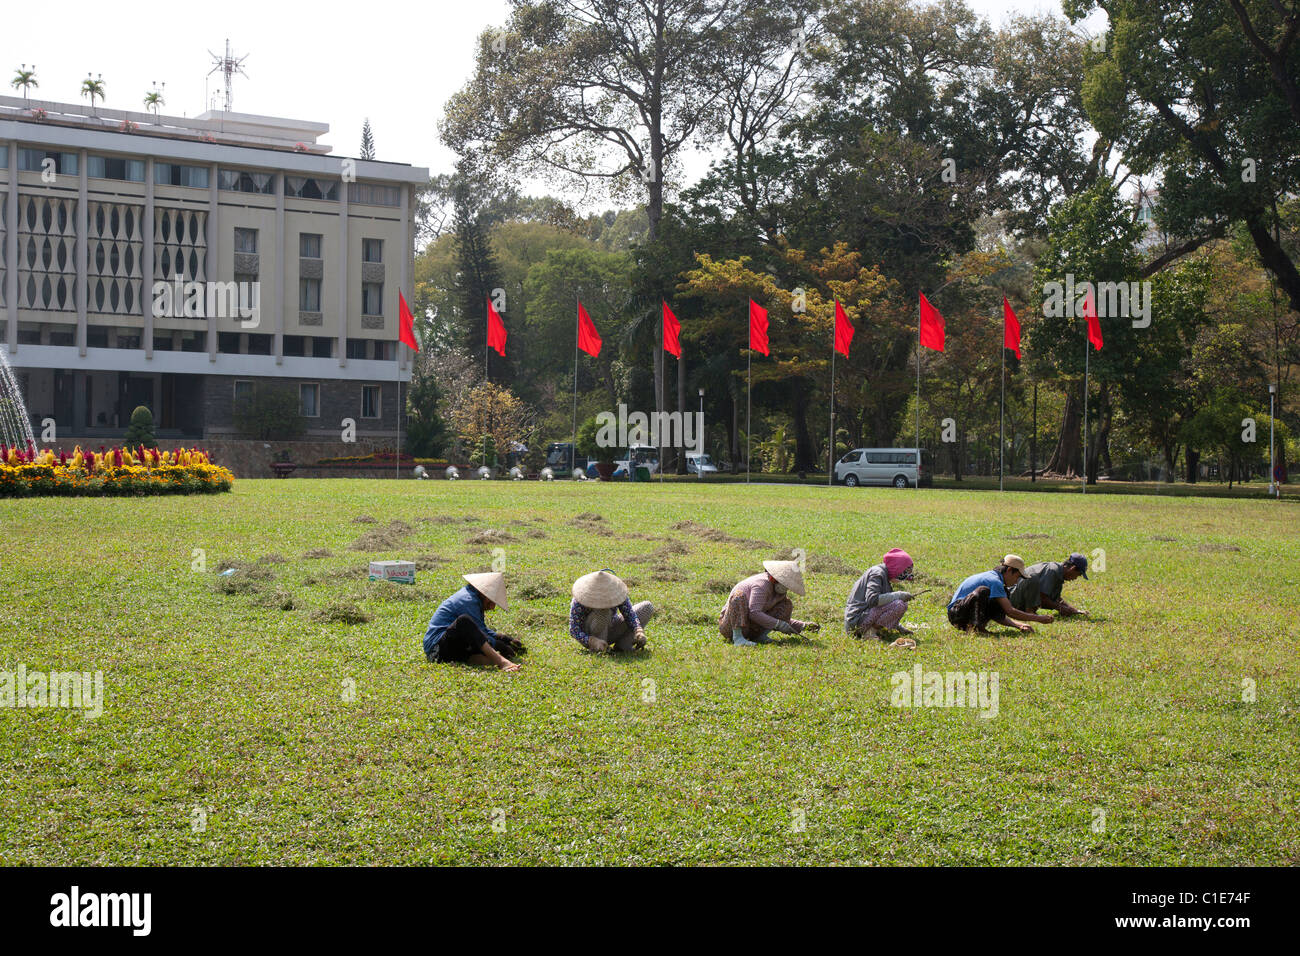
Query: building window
point(63, 335)
point(369, 401)
point(308, 245)
point(259, 343)
point(128, 339)
point(243, 181)
point(172, 174)
point(294, 346)
point(246, 240)
point(304, 187)
point(29, 333)
point(33, 161)
point(162, 343)
point(194, 341)
point(370, 194)
point(372, 298)
point(309, 400)
point(228, 343)
point(309, 295)
point(96, 337)
point(322, 347)
point(372, 250)
point(4, 157)
point(357, 348)
point(243, 390)
point(115, 167)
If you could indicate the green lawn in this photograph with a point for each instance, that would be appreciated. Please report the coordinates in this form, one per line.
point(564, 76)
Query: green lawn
point(230, 733)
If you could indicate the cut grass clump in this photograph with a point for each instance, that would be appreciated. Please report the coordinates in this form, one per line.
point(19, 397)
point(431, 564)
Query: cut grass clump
point(392, 591)
point(717, 586)
point(315, 553)
point(363, 519)
point(666, 574)
point(382, 539)
point(276, 600)
point(340, 611)
point(427, 562)
point(536, 589)
point(721, 537)
point(820, 563)
point(490, 536)
point(238, 584)
point(272, 558)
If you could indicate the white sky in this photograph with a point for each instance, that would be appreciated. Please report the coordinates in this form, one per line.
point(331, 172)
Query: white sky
point(396, 62)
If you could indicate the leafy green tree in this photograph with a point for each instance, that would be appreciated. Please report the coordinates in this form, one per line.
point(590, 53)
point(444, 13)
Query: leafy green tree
point(140, 429)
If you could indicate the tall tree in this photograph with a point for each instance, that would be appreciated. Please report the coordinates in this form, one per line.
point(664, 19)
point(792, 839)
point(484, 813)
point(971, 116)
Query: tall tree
point(367, 140)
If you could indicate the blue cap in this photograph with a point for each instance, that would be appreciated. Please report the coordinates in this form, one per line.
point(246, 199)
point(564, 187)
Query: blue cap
point(1078, 561)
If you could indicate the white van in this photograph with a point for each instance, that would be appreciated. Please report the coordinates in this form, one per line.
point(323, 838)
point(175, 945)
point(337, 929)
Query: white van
point(900, 467)
point(699, 464)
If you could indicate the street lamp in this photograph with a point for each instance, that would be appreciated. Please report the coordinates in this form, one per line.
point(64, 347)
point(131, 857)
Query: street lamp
point(1272, 472)
point(699, 465)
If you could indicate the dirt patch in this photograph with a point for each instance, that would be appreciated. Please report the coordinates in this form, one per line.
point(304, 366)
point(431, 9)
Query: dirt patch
point(382, 539)
point(536, 589)
point(535, 533)
point(589, 516)
point(490, 536)
point(340, 611)
point(364, 519)
point(713, 534)
point(391, 591)
point(318, 553)
point(272, 558)
point(1213, 548)
point(277, 600)
point(666, 574)
point(717, 586)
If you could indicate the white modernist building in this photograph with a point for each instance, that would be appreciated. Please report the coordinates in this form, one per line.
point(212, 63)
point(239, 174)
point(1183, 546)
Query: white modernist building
point(184, 264)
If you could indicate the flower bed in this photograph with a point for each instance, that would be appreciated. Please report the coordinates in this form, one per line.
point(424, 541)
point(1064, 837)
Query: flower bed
point(117, 471)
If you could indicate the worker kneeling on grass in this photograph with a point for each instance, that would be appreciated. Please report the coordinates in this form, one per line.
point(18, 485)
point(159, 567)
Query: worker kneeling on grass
point(458, 632)
point(761, 604)
point(874, 605)
point(1042, 584)
point(602, 615)
point(983, 597)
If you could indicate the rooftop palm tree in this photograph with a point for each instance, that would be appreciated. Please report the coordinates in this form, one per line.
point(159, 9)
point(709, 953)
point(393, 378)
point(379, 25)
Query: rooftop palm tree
point(24, 78)
point(93, 88)
point(153, 101)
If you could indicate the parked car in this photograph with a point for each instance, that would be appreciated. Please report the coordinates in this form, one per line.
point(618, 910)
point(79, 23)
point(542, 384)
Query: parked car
point(697, 464)
point(900, 467)
point(561, 460)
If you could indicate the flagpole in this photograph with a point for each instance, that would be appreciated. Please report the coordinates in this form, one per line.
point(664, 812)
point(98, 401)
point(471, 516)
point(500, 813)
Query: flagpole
point(1087, 356)
point(749, 406)
point(573, 448)
point(397, 458)
point(830, 453)
point(663, 366)
point(1002, 414)
point(918, 386)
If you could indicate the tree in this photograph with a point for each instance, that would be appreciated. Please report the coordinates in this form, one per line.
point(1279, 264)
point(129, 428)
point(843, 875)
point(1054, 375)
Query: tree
point(140, 430)
point(270, 412)
point(367, 140)
point(491, 420)
point(24, 79)
point(154, 101)
point(426, 433)
point(93, 89)
point(1204, 94)
point(478, 277)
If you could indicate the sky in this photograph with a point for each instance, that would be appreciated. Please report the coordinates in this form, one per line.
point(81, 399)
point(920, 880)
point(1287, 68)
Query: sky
point(394, 62)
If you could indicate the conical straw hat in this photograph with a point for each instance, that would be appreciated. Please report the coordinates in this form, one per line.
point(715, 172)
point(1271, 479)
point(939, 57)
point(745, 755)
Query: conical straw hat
point(492, 585)
point(787, 573)
point(599, 589)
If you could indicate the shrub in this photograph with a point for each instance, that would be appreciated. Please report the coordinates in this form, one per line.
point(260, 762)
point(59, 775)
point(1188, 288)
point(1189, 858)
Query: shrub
point(140, 431)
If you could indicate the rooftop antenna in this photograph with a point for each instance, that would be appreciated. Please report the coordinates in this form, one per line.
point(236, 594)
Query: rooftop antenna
point(228, 65)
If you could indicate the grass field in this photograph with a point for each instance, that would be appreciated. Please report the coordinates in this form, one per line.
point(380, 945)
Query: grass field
point(236, 730)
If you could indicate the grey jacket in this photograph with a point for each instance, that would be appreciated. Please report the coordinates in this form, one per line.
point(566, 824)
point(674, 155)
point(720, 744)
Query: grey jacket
point(866, 594)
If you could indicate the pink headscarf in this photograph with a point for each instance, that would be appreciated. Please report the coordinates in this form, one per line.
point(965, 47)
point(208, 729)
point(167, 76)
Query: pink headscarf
point(896, 562)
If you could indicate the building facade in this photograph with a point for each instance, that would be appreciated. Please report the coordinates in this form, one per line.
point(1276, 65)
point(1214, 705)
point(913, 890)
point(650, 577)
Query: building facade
point(188, 265)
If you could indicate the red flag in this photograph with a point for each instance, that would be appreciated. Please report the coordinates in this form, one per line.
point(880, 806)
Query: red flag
point(1010, 328)
point(496, 331)
point(588, 337)
point(843, 331)
point(406, 323)
point(1090, 314)
point(931, 326)
point(672, 329)
point(757, 327)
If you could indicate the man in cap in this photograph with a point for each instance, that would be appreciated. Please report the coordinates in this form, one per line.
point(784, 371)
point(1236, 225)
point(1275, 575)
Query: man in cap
point(760, 604)
point(983, 597)
point(602, 614)
point(1042, 584)
point(873, 604)
point(458, 632)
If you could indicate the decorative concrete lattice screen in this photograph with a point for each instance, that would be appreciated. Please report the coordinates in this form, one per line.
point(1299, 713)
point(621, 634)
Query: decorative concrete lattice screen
point(47, 244)
point(114, 244)
point(180, 239)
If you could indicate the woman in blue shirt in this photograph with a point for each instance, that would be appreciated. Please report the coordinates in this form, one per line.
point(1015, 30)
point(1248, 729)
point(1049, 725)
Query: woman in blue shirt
point(458, 632)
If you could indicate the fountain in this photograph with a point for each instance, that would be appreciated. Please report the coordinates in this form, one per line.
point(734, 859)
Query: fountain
point(15, 426)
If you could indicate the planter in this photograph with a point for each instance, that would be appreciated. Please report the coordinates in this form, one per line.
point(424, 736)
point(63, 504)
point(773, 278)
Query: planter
point(283, 469)
point(605, 469)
